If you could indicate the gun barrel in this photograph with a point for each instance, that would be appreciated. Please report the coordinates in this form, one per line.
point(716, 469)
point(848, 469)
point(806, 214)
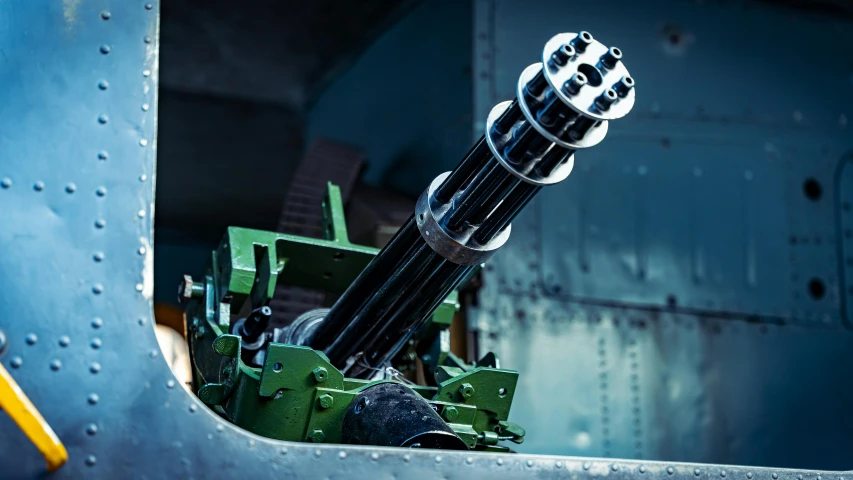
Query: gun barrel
point(563, 104)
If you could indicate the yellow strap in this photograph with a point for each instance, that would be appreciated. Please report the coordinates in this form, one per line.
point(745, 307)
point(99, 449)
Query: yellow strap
point(22, 411)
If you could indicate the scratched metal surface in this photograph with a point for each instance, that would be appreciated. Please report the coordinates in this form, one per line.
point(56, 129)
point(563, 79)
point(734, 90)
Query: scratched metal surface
point(77, 152)
point(664, 302)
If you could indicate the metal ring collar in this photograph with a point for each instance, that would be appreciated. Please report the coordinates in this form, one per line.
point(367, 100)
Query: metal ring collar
point(459, 248)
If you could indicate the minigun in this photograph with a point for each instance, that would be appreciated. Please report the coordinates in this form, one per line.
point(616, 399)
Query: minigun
point(334, 375)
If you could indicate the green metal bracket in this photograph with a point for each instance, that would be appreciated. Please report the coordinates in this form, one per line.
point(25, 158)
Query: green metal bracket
point(298, 395)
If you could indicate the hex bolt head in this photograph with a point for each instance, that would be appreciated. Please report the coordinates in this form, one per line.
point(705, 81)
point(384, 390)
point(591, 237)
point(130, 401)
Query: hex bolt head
point(466, 390)
point(326, 400)
point(188, 289)
point(317, 436)
point(320, 374)
point(450, 413)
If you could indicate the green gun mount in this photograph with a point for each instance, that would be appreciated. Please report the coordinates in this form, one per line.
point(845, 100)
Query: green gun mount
point(295, 393)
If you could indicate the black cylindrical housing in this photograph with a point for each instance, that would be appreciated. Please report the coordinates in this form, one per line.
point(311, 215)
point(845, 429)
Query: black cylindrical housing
point(391, 414)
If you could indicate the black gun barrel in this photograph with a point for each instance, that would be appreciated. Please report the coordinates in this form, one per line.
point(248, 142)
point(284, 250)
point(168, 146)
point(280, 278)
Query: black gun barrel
point(562, 104)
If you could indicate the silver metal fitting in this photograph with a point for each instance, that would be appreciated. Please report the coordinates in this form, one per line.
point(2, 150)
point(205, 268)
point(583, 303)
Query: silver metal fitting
point(457, 247)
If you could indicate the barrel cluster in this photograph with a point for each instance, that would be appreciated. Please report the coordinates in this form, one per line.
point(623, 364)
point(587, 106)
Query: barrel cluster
point(562, 104)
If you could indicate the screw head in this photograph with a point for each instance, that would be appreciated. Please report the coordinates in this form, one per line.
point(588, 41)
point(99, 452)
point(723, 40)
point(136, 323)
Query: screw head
point(450, 413)
point(317, 436)
point(326, 400)
point(320, 374)
point(466, 390)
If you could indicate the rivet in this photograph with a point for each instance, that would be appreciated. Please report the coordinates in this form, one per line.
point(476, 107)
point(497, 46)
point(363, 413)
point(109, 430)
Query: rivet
point(148, 6)
point(374, 456)
point(105, 49)
point(91, 429)
point(98, 256)
point(143, 177)
point(38, 186)
point(71, 188)
point(220, 428)
point(642, 469)
point(170, 383)
point(147, 39)
point(97, 322)
point(407, 458)
point(342, 455)
point(141, 251)
point(800, 477)
point(283, 450)
point(105, 15)
point(140, 214)
point(500, 461)
point(64, 341)
point(153, 354)
point(139, 287)
point(438, 459)
point(193, 408)
point(103, 84)
point(103, 118)
point(670, 470)
point(95, 367)
point(6, 182)
point(318, 453)
point(145, 107)
point(529, 463)
point(146, 73)
point(97, 289)
point(559, 464)
point(696, 472)
point(31, 339)
point(143, 142)
point(100, 223)
point(585, 465)
point(92, 398)
point(101, 191)
point(469, 460)
point(141, 321)
point(723, 473)
point(749, 475)
point(775, 476)
point(103, 155)
point(90, 460)
point(16, 362)
point(96, 343)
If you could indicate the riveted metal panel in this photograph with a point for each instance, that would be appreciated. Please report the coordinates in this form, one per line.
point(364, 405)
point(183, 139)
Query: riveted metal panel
point(682, 295)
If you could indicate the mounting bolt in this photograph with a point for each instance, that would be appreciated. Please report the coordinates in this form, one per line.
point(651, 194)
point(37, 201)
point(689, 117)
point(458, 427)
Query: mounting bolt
point(326, 400)
point(466, 390)
point(320, 374)
point(317, 436)
point(189, 289)
point(450, 413)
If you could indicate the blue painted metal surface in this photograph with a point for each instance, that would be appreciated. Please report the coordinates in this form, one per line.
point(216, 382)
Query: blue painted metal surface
point(684, 281)
point(77, 138)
